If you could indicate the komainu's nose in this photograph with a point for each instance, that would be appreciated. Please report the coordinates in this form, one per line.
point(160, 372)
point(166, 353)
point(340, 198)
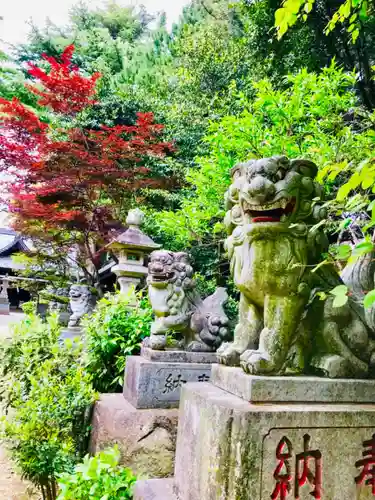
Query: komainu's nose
point(261, 189)
point(156, 267)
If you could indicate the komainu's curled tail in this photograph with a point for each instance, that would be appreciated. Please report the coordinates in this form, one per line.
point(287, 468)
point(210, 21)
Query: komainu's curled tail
point(210, 322)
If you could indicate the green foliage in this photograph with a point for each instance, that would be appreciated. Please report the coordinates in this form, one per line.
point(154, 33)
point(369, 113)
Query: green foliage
point(48, 266)
point(31, 343)
point(369, 299)
point(306, 119)
point(29, 307)
point(340, 295)
point(49, 427)
point(99, 477)
point(12, 82)
point(350, 12)
point(114, 331)
point(50, 395)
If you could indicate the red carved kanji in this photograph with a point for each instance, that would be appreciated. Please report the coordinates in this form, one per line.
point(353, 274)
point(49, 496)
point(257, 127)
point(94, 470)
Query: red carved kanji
point(283, 480)
point(307, 475)
point(367, 463)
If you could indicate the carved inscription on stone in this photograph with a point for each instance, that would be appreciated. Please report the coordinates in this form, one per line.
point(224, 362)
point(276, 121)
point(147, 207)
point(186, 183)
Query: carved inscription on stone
point(367, 465)
point(321, 463)
point(166, 383)
point(173, 383)
point(303, 472)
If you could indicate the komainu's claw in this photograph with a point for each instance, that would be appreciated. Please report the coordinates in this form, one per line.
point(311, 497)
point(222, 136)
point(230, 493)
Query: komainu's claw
point(229, 355)
point(157, 342)
point(256, 363)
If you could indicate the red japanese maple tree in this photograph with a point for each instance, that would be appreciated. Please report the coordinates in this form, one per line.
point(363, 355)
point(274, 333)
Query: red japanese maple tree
point(69, 185)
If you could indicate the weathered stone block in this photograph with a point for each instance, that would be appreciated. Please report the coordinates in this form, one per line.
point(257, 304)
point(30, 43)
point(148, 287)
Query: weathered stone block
point(154, 489)
point(151, 384)
point(71, 333)
point(300, 389)
point(174, 356)
point(146, 438)
point(229, 449)
point(4, 308)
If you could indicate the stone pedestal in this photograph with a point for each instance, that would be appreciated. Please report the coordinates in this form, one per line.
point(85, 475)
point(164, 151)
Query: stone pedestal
point(143, 420)
point(157, 384)
point(71, 332)
point(146, 438)
point(317, 443)
point(4, 306)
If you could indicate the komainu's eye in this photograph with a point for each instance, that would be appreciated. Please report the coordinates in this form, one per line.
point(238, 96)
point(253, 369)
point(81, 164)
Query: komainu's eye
point(233, 192)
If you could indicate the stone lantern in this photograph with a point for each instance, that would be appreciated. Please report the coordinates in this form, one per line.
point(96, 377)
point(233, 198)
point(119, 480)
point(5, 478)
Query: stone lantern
point(131, 248)
point(4, 301)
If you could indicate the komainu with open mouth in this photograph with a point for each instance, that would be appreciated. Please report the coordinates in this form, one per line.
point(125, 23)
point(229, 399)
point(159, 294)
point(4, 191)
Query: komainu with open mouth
point(275, 246)
point(201, 325)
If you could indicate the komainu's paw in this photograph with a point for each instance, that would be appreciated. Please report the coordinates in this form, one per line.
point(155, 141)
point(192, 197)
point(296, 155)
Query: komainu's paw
point(228, 354)
point(157, 342)
point(218, 326)
point(256, 363)
point(197, 346)
point(334, 366)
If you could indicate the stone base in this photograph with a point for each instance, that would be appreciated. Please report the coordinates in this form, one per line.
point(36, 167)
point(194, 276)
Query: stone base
point(299, 389)
point(174, 356)
point(70, 333)
point(154, 489)
point(4, 306)
point(229, 449)
point(146, 438)
point(152, 384)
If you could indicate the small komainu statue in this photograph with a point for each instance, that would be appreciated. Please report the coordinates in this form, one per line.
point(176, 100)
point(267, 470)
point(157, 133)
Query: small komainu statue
point(178, 307)
point(59, 306)
point(275, 245)
point(81, 302)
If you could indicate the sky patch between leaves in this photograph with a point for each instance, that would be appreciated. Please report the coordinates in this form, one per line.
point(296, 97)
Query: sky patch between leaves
point(17, 13)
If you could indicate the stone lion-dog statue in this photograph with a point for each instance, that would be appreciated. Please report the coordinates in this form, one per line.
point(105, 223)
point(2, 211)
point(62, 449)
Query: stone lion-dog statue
point(275, 246)
point(199, 325)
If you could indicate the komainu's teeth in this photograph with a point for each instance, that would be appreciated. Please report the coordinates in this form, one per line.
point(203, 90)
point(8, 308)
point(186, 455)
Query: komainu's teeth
point(283, 203)
point(262, 208)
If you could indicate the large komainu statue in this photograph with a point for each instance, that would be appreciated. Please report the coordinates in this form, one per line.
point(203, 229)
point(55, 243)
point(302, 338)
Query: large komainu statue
point(275, 245)
point(178, 307)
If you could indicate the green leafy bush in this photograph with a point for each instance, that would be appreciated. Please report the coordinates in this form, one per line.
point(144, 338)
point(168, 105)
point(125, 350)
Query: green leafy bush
point(316, 116)
point(114, 331)
point(50, 395)
point(32, 342)
point(309, 118)
point(99, 477)
point(48, 428)
point(29, 307)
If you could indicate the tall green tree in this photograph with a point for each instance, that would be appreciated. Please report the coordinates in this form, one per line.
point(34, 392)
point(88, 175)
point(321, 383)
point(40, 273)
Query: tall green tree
point(308, 43)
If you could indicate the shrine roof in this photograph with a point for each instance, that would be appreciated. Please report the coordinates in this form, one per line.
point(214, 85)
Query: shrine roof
point(11, 242)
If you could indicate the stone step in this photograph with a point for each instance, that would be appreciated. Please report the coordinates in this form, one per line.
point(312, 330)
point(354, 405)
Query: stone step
point(154, 489)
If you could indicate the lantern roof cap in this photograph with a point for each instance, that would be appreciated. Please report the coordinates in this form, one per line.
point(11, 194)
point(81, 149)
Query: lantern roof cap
point(133, 237)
